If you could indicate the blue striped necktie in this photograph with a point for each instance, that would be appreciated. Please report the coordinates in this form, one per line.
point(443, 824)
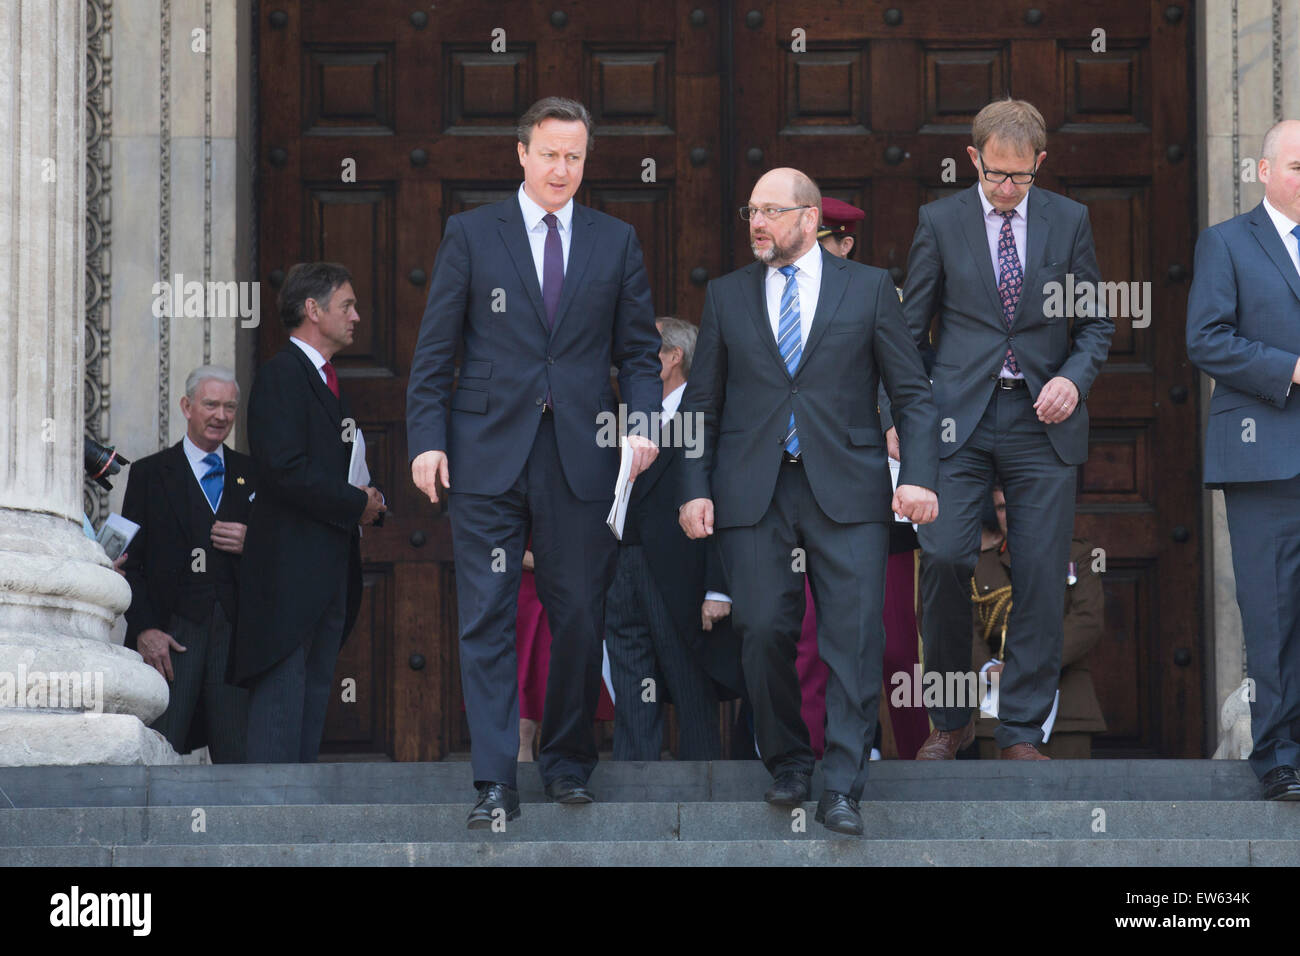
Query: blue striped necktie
point(788, 341)
point(213, 481)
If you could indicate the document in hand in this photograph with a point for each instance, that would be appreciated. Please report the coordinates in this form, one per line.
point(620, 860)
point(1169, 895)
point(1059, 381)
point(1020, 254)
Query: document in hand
point(622, 492)
point(894, 468)
point(358, 472)
point(116, 534)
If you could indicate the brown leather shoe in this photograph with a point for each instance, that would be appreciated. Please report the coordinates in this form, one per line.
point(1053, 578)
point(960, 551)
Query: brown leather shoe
point(1023, 752)
point(944, 744)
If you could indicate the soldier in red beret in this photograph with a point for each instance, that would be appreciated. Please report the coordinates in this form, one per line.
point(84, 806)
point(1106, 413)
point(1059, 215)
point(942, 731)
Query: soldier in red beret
point(839, 222)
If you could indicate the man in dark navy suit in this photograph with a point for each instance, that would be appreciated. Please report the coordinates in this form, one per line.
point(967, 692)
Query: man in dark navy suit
point(544, 295)
point(1243, 328)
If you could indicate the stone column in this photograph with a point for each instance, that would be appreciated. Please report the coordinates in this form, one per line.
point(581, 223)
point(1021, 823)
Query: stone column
point(67, 695)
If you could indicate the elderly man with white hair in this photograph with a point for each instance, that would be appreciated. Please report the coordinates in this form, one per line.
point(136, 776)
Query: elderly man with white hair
point(192, 502)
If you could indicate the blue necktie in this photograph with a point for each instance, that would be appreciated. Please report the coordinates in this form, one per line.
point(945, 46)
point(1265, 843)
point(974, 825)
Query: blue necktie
point(1296, 232)
point(214, 479)
point(789, 343)
point(552, 268)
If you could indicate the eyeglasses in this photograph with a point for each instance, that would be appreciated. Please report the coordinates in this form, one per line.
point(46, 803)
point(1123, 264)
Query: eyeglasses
point(998, 177)
point(749, 212)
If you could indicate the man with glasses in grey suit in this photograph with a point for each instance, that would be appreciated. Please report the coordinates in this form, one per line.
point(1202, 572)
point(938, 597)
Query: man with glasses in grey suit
point(1010, 380)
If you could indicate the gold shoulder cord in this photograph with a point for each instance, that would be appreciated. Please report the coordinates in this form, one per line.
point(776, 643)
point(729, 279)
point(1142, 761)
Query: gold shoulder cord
point(994, 609)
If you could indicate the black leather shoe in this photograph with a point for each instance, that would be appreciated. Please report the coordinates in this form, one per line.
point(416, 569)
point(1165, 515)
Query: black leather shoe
point(569, 790)
point(1281, 783)
point(839, 812)
point(491, 798)
point(790, 789)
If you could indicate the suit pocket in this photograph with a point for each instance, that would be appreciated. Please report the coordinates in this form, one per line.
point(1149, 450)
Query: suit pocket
point(469, 400)
point(865, 436)
point(476, 369)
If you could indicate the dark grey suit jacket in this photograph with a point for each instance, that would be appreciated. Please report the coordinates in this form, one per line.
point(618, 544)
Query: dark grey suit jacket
point(741, 388)
point(1243, 327)
point(950, 273)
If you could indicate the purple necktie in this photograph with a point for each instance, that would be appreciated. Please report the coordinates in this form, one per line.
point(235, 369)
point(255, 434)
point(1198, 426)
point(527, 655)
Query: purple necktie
point(552, 268)
point(1010, 279)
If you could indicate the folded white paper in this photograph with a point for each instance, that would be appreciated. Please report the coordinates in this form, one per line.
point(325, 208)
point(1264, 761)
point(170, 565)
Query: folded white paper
point(622, 491)
point(358, 471)
point(116, 535)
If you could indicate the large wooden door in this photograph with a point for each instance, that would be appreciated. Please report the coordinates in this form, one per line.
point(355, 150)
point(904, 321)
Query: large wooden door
point(422, 100)
point(693, 100)
point(878, 106)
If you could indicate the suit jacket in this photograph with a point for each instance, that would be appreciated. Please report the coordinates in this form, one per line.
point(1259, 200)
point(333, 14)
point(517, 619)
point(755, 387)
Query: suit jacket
point(950, 272)
point(1085, 620)
point(683, 570)
point(741, 388)
point(165, 499)
point(302, 540)
point(485, 292)
point(1243, 328)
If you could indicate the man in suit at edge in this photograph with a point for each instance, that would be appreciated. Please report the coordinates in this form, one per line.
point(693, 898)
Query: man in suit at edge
point(1243, 328)
point(666, 613)
point(790, 354)
point(545, 295)
point(194, 495)
point(300, 587)
point(1009, 382)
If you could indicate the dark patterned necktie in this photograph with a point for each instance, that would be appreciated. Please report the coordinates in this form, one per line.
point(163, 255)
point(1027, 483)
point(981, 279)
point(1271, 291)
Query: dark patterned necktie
point(1010, 280)
point(331, 378)
point(552, 268)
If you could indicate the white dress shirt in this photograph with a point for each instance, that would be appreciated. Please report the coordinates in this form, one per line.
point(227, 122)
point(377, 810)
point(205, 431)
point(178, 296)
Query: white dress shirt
point(809, 282)
point(1283, 225)
point(993, 228)
point(533, 215)
point(194, 454)
point(317, 359)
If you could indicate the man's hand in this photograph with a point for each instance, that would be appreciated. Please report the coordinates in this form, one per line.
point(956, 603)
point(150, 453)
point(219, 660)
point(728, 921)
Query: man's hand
point(713, 611)
point(1295, 376)
point(696, 517)
point(645, 452)
point(529, 563)
point(1057, 401)
point(427, 470)
point(154, 646)
point(374, 505)
point(121, 560)
point(229, 536)
point(891, 443)
point(916, 504)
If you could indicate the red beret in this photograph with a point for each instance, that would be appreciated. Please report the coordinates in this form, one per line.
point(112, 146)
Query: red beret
point(838, 218)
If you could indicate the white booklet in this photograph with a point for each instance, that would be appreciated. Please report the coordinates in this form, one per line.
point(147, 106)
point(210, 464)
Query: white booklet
point(989, 708)
point(358, 472)
point(116, 534)
point(622, 491)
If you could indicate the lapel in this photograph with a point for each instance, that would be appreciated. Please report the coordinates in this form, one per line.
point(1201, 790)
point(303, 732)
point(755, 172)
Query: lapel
point(234, 496)
point(834, 281)
point(514, 236)
point(318, 388)
point(1266, 235)
point(176, 478)
point(977, 237)
point(581, 244)
point(1038, 229)
point(756, 296)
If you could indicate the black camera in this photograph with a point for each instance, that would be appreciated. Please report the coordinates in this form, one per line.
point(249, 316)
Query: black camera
point(101, 462)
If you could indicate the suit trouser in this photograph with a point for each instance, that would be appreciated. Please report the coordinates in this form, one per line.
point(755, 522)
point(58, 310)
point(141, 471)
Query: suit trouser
point(643, 643)
point(846, 571)
point(1264, 524)
point(287, 704)
point(574, 553)
point(1009, 443)
point(199, 686)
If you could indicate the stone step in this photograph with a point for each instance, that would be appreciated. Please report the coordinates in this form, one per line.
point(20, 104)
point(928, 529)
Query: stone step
point(809, 851)
point(641, 823)
point(668, 781)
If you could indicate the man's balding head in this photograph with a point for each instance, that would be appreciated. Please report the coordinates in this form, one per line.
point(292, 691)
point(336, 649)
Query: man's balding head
point(1279, 168)
point(785, 237)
